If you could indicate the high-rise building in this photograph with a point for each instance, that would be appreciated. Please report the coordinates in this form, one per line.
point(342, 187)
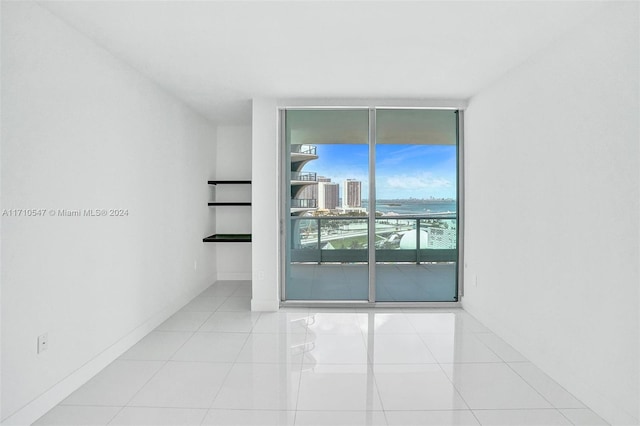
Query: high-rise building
point(304, 191)
point(310, 192)
point(352, 194)
point(328, 195)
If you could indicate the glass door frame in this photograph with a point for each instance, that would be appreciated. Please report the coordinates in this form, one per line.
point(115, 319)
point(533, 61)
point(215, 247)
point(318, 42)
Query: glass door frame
point(284, 202)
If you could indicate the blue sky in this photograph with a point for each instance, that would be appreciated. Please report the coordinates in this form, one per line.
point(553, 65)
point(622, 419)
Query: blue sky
point(403, 171)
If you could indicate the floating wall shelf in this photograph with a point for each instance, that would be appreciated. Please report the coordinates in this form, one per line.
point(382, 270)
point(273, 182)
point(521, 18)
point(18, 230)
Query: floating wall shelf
point(228, 238)
point(229, 182)
point(229, 203)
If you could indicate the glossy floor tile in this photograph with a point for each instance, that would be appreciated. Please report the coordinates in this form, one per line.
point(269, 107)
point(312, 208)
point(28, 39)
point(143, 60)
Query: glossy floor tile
point(431, 418)
point(520, 417)
point(547, 387)
point(273, 348)
point(75, 415)
point(340, 418)
point(416, 387)
point(116, 384)
point(338, 387)
point(260, 386)
point(583, 417)
point(221, 417)
point(335, 349)
point(212, 347)
point(385, 322)
point(281, 322)
point(157, 345)
point(399, 349)
point(216, 363)
point(182, 385)
point(493, 386)
point(184, 321)
point(236, 303)
point(204, 304)
point(462, 347)
point(500, 347)
point(147, 416)
point(231, 321)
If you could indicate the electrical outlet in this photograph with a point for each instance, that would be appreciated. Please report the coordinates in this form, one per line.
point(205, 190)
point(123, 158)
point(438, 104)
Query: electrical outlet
point(43, 342)
point(195, 265)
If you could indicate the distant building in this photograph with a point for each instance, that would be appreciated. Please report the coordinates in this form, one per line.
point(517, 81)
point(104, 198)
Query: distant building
point(309, 192)
point(440, 238)
point(304, 191)
point(328, 195)
point(352, 194)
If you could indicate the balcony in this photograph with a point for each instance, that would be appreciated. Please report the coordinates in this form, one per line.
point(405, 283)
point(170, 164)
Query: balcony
point(303, 204)
point(346, 239)
point(303, 149)
point(300, 154)
point(303, 177)
point(329, 258)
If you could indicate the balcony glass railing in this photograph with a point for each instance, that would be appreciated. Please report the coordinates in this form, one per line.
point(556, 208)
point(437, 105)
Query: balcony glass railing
point(398, 239)
point(304, 204)
point(304, 176)
point(303, 149)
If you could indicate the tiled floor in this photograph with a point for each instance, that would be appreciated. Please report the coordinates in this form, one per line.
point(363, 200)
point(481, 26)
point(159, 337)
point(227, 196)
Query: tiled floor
point(395, 282)
point(216, 363)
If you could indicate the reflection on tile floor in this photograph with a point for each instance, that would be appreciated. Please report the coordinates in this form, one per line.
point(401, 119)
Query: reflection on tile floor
point(216, 363)
point(406, 282)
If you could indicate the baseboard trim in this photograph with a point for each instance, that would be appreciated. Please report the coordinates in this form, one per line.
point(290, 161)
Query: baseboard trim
point(234, 276)
point(264, 305)
point(58, 392)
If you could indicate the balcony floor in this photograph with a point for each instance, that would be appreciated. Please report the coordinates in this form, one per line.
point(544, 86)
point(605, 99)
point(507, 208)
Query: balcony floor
point(433, 282)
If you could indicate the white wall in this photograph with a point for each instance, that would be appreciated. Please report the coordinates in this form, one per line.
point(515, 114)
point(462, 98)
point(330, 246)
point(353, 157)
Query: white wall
point(233, 162)
point(552, 189)
point(265, 178)
point(81, 130)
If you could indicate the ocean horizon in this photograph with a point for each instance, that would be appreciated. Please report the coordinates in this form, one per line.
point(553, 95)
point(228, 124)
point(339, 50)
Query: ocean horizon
point(413, 206)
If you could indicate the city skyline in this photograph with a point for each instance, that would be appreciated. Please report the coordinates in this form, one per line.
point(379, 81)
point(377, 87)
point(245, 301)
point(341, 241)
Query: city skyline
point(403, 171)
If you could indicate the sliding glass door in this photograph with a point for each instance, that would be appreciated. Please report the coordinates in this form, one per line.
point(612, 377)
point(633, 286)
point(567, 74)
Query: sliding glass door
point(328, 174)
point(371, 205)
point(416, 205)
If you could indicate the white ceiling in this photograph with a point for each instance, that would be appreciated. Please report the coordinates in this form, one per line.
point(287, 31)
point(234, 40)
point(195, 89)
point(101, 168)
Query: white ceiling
point(217, 56)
